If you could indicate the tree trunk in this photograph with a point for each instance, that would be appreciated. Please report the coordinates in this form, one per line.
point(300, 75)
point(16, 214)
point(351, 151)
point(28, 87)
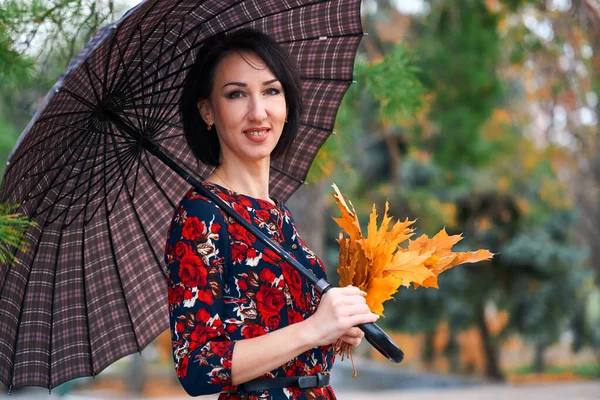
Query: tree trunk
point(428, 349)
point(135, 377)
point(538, 361)
point(308, 207)
point(490, 348)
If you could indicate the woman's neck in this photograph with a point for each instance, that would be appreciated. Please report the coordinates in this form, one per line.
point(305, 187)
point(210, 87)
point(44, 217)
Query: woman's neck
point(250, 180)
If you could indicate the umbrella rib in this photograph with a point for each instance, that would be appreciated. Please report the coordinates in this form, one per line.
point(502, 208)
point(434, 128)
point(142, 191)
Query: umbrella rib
point(83, 145)
point(160, 91)
point(114, 257)
point(61, 115)
point(315, 127)
point(128, 165)
point(169, 110)
point(281, 171)
point(26, 150)
point(88, 73)
point(156, 182)
point(309, 39)
point(318, 79)
point(68, 163)
point(122, 62)
point(116, 156)
point(150, 105)
point(168, 137)
point(94, 158)
point(105, 200)
point(129, 39)
point(50, 184)
point(98, 173)
point(172, 58)
point(150, 33)
point(156, 126)
point(159, 122)
point(95, 194)
point(12, 379)
point(139, 221)
point(85, 290)
point(89, 130)
point(54, 276)
point(77, 185)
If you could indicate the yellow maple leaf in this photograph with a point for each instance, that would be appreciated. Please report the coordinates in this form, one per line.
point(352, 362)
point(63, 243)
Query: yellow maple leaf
point(378, 264)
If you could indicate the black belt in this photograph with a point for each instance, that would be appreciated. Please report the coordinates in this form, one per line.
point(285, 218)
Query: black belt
point(303, 382)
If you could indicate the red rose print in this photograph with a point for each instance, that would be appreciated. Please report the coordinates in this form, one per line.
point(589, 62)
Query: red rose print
point(272, 321)
point(181, 249)
point(263, 215)
point(267, 275)
point(269, 302)
point(292, 277)
point(187, 294)
point(182, 367)
point(220, 348)
point(240, 234)
point(242, 285)
point(192, 271)
point(264, 204)
point(270, 256)
point(201, 335)
point(175, 294)
point(202, 315)
point(243, 201)
point(238, 252)
point(214, 228)
point(253, 330)
point(192, 228)
point(206, 296)
point(242, 211)
point(179, 327)
point(294, 316)
point(251, 253)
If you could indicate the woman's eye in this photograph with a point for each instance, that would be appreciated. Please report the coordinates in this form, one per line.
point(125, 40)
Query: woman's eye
point(272, 91)
point(234, 94)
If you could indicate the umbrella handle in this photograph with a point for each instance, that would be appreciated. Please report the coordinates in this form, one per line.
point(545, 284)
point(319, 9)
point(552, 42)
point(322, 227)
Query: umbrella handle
point(374, 334)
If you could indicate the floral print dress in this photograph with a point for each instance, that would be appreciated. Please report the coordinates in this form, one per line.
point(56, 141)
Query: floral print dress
point(224, 285)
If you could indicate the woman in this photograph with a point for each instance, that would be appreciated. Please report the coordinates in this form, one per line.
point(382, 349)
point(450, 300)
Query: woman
point(244, 322)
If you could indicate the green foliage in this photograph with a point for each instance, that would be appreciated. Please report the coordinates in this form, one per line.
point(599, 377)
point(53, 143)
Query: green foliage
point(459, 52)
point(12, 228)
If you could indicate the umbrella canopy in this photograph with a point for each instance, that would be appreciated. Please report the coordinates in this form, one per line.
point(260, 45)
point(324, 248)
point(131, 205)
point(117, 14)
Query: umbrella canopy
point(89, 286)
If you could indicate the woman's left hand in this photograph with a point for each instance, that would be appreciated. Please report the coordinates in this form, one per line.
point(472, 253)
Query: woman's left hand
point(353, 336)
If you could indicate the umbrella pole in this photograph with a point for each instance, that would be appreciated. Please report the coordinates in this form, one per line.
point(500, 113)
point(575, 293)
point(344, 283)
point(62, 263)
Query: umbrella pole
point(373, 333)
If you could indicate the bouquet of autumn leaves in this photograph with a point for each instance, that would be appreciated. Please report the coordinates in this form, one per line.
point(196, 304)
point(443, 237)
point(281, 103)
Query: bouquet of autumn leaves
point(378, 265)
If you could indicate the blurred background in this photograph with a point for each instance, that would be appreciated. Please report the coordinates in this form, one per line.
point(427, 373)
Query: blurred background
point(478, 116)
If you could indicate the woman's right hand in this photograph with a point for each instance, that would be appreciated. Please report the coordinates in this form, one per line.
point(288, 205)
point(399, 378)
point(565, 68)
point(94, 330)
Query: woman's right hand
point(339, 310)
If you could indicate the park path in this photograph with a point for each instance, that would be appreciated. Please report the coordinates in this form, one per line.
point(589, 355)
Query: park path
point(555, 391)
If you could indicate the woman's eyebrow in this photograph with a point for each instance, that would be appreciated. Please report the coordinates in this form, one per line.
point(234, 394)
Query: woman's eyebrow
point(245, 85)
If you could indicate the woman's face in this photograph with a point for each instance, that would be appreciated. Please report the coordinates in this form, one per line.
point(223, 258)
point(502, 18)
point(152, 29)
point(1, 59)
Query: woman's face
point(247, 107)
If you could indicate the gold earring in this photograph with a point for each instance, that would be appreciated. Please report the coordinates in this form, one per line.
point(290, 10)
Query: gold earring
point(209, 126)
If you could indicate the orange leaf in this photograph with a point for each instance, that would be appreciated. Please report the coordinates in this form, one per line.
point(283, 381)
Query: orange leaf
point(380, 290)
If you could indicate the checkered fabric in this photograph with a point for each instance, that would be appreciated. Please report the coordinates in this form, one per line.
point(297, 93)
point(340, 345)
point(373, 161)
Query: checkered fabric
point(89, 284)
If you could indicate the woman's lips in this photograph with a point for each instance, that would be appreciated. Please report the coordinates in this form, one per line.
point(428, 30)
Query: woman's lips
point(257, 136)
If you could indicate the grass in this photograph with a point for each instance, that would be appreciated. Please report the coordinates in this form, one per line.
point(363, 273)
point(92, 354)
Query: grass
point(587, 371)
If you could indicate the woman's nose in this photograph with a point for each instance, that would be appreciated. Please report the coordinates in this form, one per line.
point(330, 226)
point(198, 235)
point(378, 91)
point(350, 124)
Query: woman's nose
point(257, 110)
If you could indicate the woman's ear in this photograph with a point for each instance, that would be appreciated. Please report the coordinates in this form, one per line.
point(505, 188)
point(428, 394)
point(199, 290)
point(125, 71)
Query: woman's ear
point(205, 111)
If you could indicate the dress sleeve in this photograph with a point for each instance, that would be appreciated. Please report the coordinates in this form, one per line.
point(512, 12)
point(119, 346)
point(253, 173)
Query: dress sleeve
point(196, 256)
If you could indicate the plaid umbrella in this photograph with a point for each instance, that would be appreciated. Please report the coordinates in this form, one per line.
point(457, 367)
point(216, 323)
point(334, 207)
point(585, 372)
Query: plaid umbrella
point(89, 287)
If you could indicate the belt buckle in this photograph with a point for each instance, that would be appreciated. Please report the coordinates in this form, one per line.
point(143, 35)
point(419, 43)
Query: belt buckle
point(320, 380)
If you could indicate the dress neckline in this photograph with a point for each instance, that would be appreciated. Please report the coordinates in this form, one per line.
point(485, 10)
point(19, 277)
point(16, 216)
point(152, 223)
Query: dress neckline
point(274, 203)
